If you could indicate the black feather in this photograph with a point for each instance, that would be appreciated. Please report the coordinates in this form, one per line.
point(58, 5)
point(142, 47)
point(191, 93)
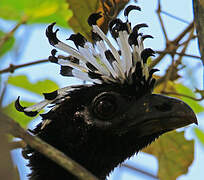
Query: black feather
point(51, 35)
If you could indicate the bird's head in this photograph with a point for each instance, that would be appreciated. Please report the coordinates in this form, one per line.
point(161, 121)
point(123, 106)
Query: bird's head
point(123, 114)
point(119, 105)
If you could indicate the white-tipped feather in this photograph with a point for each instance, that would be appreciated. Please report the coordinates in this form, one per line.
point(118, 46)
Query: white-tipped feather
point(123, 64)
point(84, 76)
point(97, 30)
point(125, 51)
point(146, 71)
point(102, 48)
point(68, 49)
point(140, 44)
point(128, 51)
point(91, 59)
point(37, 107)
point(62, 93)
point(118, 71)
point(63, 62)
point(136, 54)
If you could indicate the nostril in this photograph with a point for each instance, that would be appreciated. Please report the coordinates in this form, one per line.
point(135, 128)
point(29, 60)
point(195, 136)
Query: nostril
point(164, 107)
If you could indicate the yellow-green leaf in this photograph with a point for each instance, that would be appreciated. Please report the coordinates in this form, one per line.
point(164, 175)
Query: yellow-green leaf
point(200, 135)
point(174, 153)
point(36, 11)
point(21, 118)
point(7, 45)
point(82, 9)
point(197, 108)
point(44, 86)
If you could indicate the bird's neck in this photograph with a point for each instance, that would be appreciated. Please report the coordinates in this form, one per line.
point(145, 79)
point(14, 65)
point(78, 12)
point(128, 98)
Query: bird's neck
point(99, 155)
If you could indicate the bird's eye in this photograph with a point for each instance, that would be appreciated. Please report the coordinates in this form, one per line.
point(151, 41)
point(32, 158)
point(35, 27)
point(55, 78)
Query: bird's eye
point(104, 107)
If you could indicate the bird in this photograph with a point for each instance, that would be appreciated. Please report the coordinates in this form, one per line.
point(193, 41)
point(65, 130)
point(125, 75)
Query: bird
point(102, 123)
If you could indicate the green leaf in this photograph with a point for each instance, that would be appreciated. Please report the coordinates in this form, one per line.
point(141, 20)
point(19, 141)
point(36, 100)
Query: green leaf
point(197, 108)
point(21, 118)
point(82, 9)
point(36, 11)
point(7, 45)
point(200, 135)
point(174, 153)
point(44, 86)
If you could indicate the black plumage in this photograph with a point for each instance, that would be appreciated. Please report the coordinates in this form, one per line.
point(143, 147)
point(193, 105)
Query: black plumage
point(101, 124)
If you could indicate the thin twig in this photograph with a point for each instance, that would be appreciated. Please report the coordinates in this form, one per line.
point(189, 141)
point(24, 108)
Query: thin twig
point(186, 41)
point(188, 28)
point(185, 46)
point(174, 46)
point(161, 21)
point(178, 53)
point(169, 73)
point(12, 67)
point(7, 36)
point(175, 17)
point(183, 95)
point(140, 171)
point(2, 95)
point(12, 127)
point(174, 76)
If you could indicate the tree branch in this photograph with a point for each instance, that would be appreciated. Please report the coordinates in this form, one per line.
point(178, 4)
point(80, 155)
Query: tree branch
point(12, 67)
point(7, 171)
point(171, 47)
point(7, 36)
point(139, 170)
point(12, 127)
point(174, 17)
point(16, 144)
point(178, 53)
point(161, 21)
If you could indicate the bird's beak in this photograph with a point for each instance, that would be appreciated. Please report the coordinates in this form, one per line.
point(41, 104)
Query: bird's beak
point(157, 114)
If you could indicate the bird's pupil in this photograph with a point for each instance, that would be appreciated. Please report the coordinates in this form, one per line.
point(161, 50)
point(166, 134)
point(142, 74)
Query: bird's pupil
point(105, 108)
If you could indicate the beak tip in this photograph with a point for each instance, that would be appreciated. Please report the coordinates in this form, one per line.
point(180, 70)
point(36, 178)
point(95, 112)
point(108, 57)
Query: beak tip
point(194, 118)
point(196, 121)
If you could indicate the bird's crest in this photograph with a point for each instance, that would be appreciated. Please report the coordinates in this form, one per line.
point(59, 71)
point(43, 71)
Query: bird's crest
point(101, 62)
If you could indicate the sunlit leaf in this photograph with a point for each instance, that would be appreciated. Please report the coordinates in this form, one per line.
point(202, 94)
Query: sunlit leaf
point(174, 153)
point(44, 86)
point(82, 9)
point(197, 108)
point(21, 118)
point(7, 45)
point(37, 11)
point(169, 86)
point(200, 135)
